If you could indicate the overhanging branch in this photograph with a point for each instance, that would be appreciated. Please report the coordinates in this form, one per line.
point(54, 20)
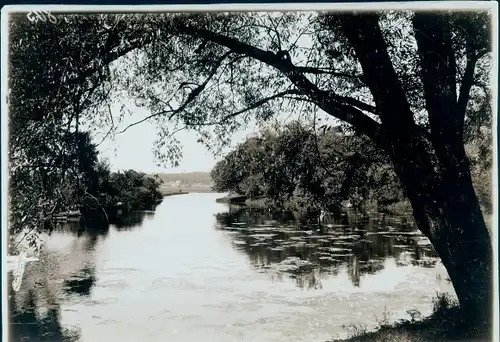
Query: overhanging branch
point(262, 101)
point(191, 97)
point(324, 100)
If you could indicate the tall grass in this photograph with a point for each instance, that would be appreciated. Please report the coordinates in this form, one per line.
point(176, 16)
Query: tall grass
point(445, 323)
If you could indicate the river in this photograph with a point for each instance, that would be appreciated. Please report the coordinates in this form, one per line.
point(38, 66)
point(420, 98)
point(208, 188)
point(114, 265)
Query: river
point(196, 271)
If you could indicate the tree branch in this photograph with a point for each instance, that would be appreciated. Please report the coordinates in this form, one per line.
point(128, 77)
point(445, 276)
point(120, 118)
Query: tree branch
point(191, 97)
point(329, 104)
point(446, 118)
point(356, 103)
point(319, 71)
point(364, 33)
point(433, 36)
point(432, 32)
point(255, 105)
point(468, 81)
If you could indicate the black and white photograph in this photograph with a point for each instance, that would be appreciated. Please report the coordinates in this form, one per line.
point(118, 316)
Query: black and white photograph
point(250, 172)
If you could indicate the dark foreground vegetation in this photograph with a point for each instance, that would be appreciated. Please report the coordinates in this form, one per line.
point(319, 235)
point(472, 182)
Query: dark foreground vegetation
point(412, 83)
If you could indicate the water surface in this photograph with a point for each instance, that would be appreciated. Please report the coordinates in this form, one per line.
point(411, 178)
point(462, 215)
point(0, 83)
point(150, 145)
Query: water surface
point(196, 271)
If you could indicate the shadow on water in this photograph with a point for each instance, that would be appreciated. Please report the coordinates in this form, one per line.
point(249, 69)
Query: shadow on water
point(360, 243)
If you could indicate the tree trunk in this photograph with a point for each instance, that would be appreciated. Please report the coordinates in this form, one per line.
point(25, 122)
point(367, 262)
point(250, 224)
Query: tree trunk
point(447, 211)
point(461, 239)
point(432, 166)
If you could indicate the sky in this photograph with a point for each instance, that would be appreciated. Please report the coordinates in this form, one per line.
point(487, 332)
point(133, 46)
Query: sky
point(133, 149)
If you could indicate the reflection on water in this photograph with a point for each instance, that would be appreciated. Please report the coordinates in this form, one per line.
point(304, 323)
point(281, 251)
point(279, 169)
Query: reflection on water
point(172, 276)
point(32, 322)
point(81, 282)
point(360, 243)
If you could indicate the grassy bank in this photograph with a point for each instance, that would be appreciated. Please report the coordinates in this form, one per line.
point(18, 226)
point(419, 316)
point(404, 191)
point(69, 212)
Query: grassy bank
point(446, 323)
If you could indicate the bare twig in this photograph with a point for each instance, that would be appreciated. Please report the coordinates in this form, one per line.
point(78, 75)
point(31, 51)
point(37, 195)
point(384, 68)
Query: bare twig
point(112, 125)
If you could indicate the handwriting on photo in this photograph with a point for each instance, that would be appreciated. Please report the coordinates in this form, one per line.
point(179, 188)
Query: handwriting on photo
point(35, 16)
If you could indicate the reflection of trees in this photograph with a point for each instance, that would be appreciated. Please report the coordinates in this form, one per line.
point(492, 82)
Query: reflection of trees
point(349, 239)
point(29, 322)
point(35, 309)
point(130, 220)
point(309, 280)
point(250, 216)
point(87, 227)
point(353, 270)
point(99, 226)
point(82, 282)
point(91, 232)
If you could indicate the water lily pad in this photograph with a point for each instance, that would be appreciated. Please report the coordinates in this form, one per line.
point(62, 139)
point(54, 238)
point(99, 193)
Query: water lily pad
point(339, 250)
point(262, 236)
point(239, 242)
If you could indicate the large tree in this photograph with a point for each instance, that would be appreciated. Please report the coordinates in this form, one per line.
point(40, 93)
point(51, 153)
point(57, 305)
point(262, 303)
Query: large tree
point(403, 79)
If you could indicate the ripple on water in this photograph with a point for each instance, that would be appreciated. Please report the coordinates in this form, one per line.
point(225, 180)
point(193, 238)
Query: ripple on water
point(104, 301)
point(173, 283)
point(114, 284)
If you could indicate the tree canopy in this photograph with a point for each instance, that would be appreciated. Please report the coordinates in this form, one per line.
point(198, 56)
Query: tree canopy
point(296, 168)
point(207, 77)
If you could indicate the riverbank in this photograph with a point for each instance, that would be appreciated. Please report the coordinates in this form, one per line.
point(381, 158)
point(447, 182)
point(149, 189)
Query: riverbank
point(169, 191)
point(446, 323)
point(174, 193)
point(260, 203)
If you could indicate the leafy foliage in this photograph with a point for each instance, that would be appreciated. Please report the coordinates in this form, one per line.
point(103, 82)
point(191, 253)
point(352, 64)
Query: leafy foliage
point(134, 189)
point(297, 168)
